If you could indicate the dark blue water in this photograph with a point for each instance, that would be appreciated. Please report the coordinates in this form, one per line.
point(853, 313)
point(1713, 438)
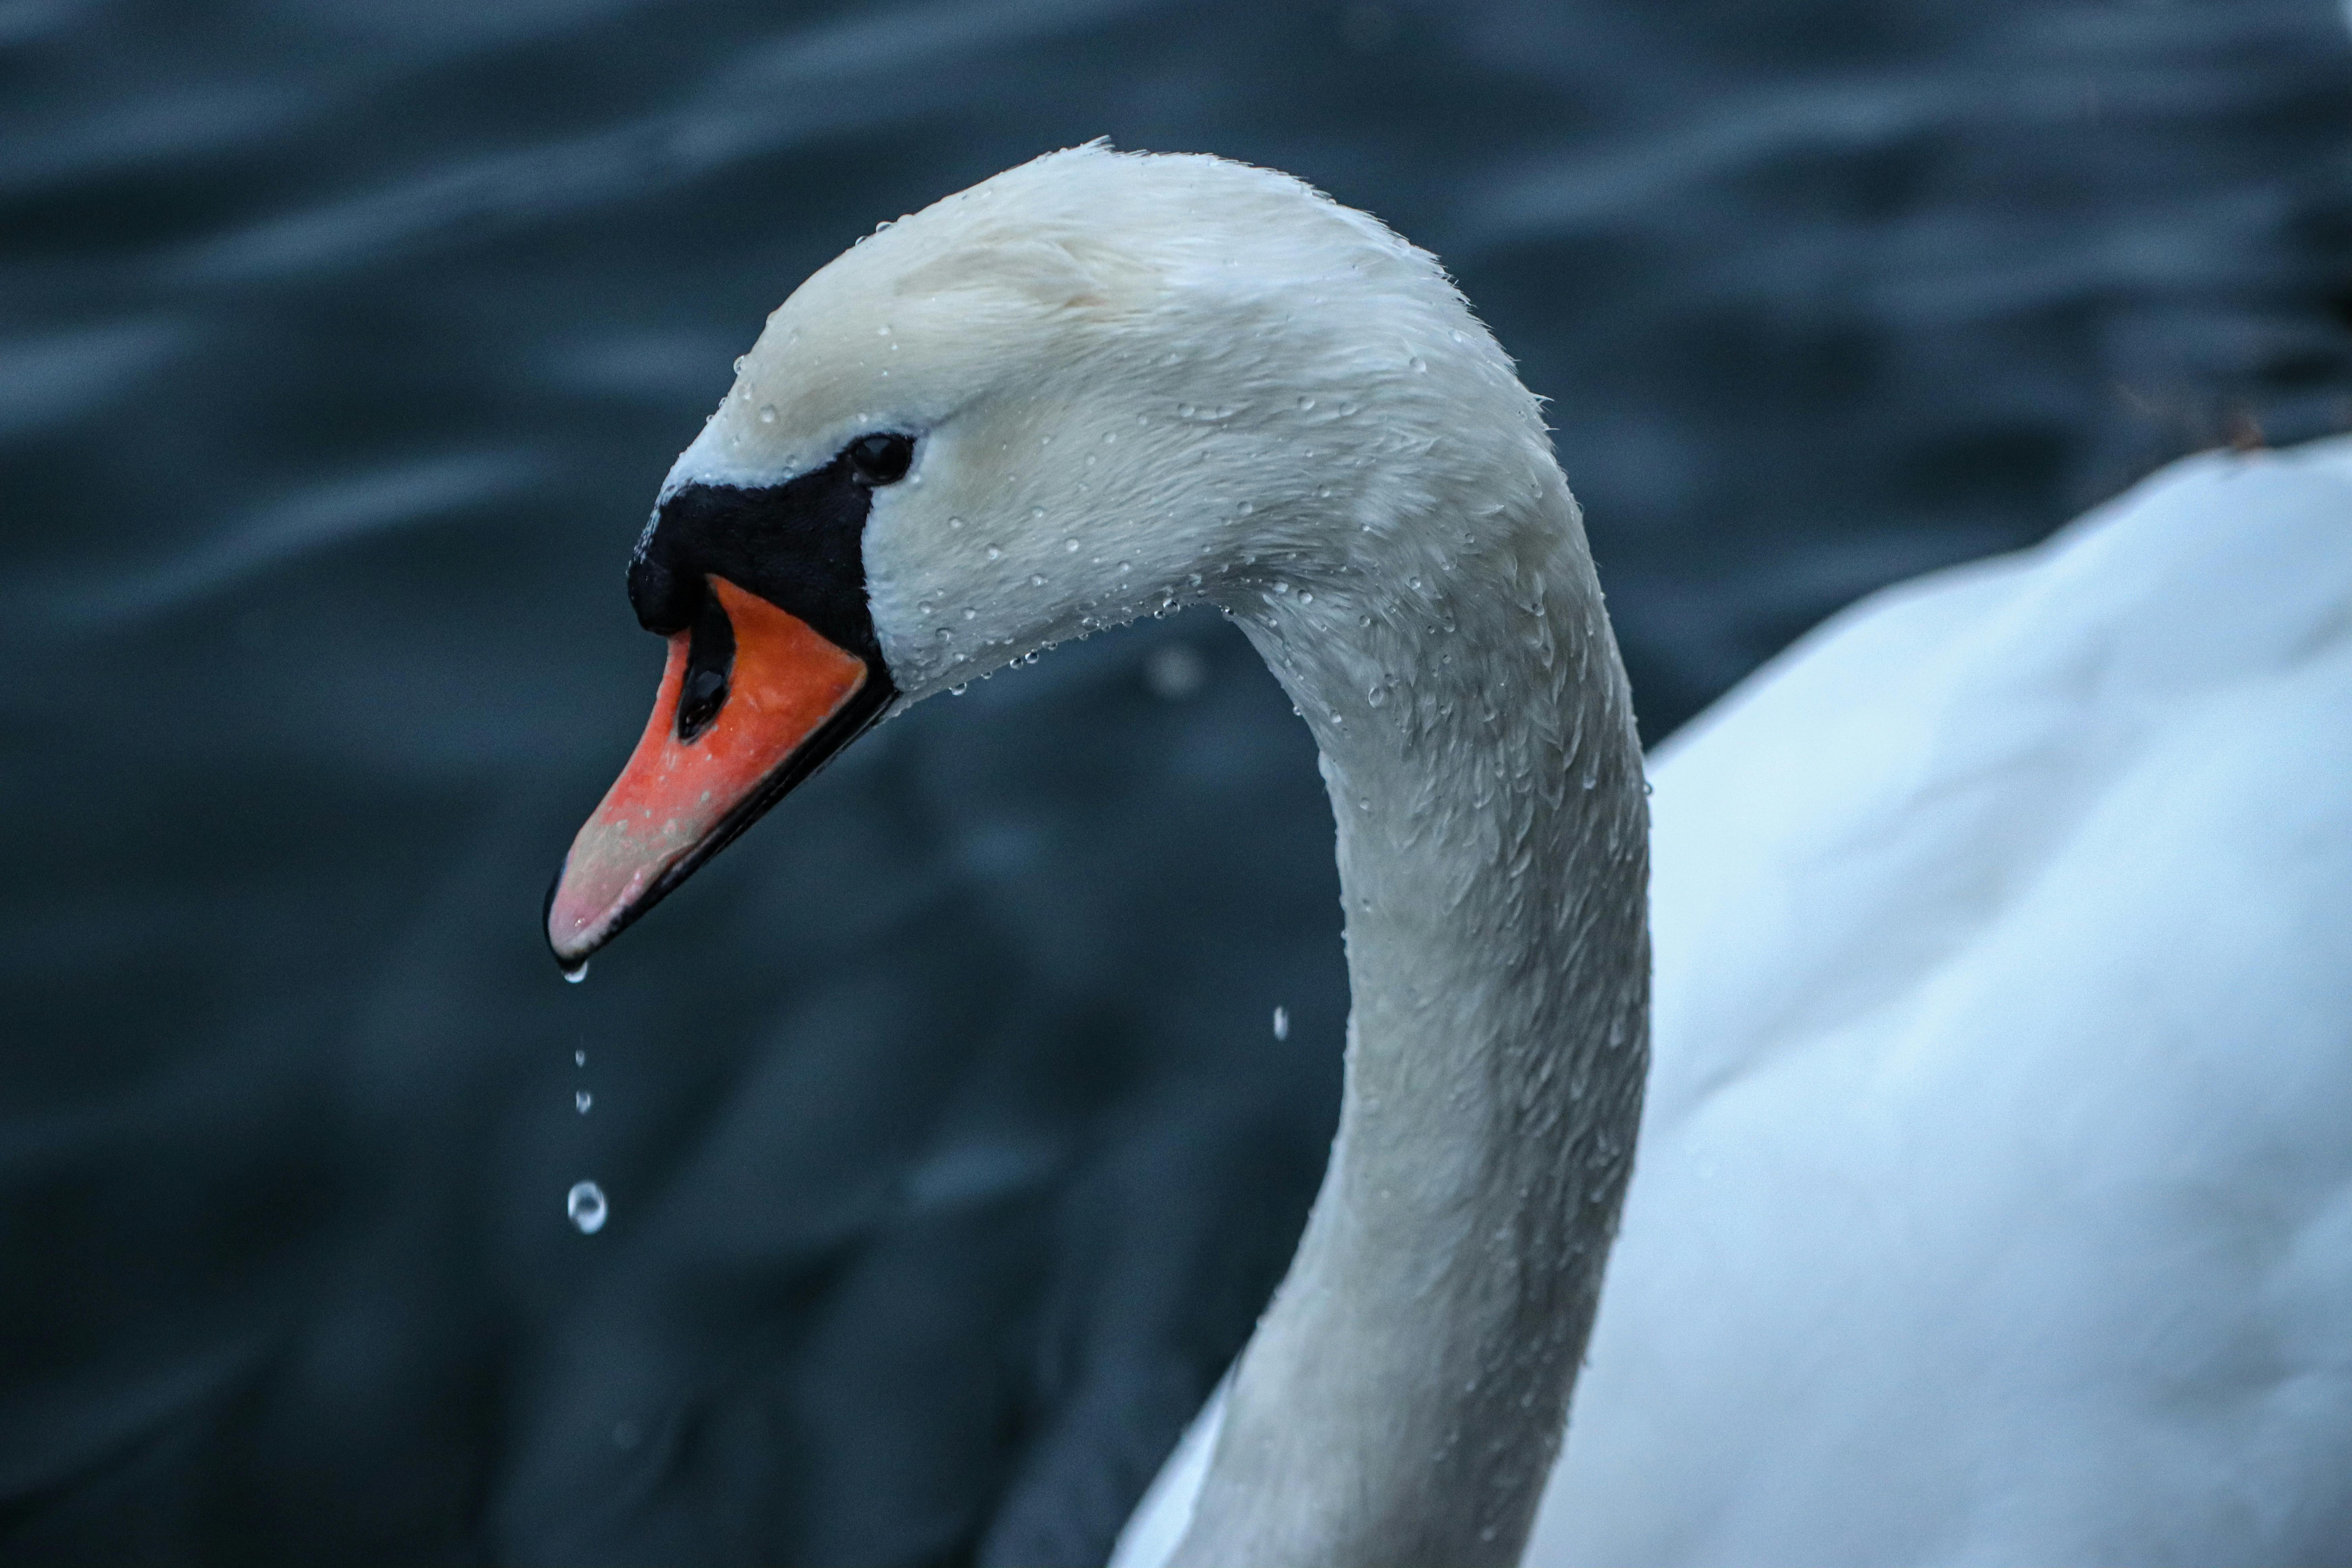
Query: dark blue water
point(948, 1149)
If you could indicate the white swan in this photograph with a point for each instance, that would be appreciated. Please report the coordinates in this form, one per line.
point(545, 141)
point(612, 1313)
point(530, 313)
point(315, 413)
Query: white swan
point(1994, 1204)
point(1100, 385)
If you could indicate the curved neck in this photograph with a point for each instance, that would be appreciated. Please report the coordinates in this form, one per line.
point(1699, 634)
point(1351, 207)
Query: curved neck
point(1403, 1397)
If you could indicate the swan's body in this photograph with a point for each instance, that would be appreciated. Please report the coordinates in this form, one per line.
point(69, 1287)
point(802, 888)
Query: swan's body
point(1099, 386)
point(1995, 1196)
point(1994, 1204)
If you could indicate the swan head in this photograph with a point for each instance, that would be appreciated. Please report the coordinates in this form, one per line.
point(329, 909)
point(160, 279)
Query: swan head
point(1097, 386)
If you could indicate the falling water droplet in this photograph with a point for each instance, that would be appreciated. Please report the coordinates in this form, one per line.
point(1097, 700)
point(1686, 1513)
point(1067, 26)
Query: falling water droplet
point(579, 1058)
point(585, 1204)
point(1282, 1023)
point(581, 1099)
point(574, 976)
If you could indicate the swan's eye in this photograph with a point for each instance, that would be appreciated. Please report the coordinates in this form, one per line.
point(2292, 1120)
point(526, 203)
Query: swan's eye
point(882, 459)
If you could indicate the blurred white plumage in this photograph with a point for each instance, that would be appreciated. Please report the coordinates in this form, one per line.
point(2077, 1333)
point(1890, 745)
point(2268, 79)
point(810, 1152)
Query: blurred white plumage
point(1994, 1202)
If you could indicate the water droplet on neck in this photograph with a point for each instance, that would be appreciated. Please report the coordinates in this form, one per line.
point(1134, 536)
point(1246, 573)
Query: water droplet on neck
point(767, 413)
point(994, 553)
point(585, 1204)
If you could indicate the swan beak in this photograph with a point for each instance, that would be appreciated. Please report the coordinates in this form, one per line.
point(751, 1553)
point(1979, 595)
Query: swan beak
point(766, 700)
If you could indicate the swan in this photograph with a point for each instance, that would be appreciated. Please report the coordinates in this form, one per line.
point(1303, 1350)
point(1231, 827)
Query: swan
point(1102, 385)
point(1992, 1205)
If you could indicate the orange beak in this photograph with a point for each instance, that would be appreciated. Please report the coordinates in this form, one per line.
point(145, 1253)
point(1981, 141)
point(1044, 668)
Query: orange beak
point(787, 702)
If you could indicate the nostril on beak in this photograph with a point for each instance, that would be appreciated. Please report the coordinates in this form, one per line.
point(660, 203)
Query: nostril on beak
point(710, 662)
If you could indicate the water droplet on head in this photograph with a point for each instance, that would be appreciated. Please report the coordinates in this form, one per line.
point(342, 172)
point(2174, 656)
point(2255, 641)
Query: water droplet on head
point(767, 413)
point(994, 553)
point(1071, 545)
point(1281, 1023)
point(585, 1204)
point(1418, 362)
point(1037, 580)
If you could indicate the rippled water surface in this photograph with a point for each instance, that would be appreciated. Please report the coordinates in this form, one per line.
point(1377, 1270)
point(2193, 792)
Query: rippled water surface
point(946, 1149)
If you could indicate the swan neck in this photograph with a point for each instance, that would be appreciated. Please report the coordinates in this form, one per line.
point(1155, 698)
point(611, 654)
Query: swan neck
point(1405, 1394)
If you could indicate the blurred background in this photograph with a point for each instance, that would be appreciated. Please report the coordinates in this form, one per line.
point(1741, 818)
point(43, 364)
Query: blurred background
point(947, 1146)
